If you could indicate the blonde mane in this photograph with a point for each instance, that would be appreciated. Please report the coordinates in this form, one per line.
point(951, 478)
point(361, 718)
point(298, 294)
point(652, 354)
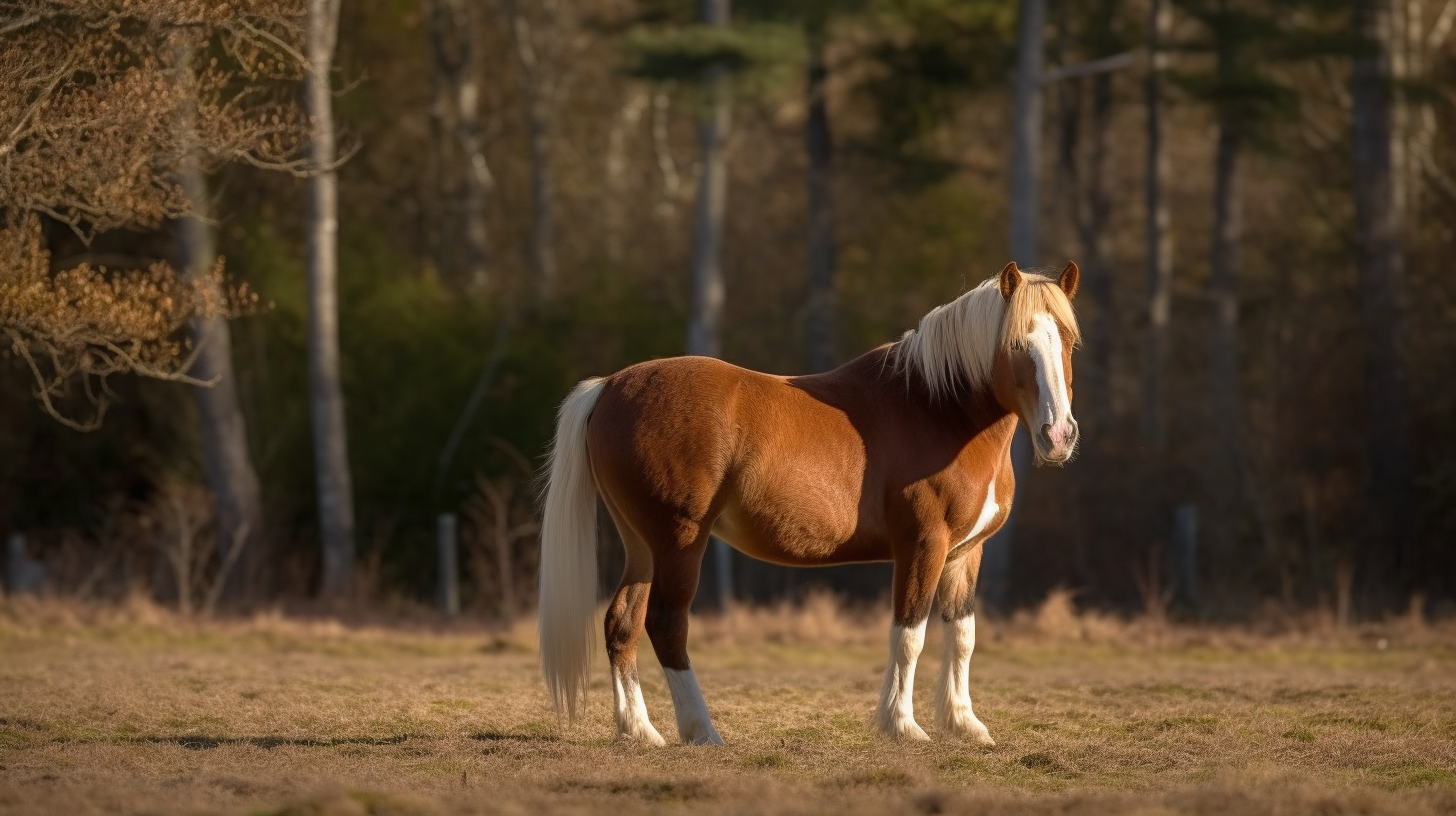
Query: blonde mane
point(957, 342)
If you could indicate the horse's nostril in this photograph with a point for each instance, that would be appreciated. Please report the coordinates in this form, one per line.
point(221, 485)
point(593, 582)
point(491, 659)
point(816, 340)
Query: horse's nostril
point(1046, 436)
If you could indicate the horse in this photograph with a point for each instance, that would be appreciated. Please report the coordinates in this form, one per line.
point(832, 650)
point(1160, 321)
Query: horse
point(901, 455)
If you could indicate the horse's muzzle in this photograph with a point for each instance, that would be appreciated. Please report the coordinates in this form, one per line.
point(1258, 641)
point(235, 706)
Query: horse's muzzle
point(1057, 442)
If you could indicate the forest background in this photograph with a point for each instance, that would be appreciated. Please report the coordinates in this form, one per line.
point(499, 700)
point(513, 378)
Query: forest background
point(1259, 196)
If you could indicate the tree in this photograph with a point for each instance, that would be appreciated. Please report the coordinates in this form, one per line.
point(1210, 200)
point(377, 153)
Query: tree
point(1159, 235)
point(226, 457)
point(820, 143)
point(1025, 189)
point(538, 51)
point(326, 392)
point(705, 321)
point(89, 112)
point(454, 27)
point(1380, 268)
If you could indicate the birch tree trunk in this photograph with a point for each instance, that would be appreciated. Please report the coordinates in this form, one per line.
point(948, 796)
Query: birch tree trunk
point(1026, 122)
point(538, 78)
point(1380, 272)
point(326, 393)
point(705, 324)
point(224, 431)
point(1159, 237)
point(455, 43)
point(821, 311)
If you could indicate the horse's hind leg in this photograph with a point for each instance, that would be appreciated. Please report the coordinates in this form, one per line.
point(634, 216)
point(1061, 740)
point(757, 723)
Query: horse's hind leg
point(957, 596)
point(625, 617)
point(673, 586)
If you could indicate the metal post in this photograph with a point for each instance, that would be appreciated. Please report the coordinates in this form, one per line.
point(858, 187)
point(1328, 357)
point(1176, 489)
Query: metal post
point(1185, 556)
point(447, 594)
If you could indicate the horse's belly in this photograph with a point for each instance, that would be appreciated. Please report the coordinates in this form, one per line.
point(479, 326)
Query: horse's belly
point(795, 537)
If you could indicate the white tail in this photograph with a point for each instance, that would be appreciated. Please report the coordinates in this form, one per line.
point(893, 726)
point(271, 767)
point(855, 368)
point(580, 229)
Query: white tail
point(568, 599)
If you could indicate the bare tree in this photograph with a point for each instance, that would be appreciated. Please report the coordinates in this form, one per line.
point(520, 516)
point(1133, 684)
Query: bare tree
point(89, 137)
point(705, 321)
point(1090, 210)
point(224, 431)
point(1380, 267)
point(821, 307)
point(455, 45)
point(326, 393)
point(1026, 125)
point(1159, 236)
point(1226, 464)
point(537, 52)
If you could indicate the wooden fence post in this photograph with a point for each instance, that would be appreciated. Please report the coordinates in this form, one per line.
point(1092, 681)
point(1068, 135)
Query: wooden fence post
point(447, 594)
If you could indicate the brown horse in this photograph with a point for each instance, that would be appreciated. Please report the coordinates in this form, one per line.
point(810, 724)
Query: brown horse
point(901, 455)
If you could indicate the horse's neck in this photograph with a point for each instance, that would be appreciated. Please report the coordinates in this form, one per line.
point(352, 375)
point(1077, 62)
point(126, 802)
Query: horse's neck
point(968, 413)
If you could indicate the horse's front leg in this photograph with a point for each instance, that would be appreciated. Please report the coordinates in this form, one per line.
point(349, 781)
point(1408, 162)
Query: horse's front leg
point(916, 574)
point(957, 595)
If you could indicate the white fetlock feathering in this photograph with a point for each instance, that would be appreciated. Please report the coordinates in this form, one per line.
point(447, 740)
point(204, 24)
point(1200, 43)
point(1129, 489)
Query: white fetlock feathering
point(953, 710)
point(897, 706)
point(694, 725)
point(628, 709)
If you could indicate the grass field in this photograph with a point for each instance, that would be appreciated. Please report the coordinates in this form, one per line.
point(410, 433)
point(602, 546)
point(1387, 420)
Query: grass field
point(130, 710)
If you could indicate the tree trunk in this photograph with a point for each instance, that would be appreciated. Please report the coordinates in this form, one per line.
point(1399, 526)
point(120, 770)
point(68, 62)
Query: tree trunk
point(539, 84)
point(1026, 122)
point(326, 393)
point(224, 431)
point(455, 43)
point(1380, 268)
point(455, 32)
point(614, 192)
point(1090, 210)
point(821, 311)
point(1159, 237)
point(1226, 462)
point(705, 325)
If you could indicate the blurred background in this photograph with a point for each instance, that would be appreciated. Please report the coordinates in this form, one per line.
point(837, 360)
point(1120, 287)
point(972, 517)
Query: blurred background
point(530, 192)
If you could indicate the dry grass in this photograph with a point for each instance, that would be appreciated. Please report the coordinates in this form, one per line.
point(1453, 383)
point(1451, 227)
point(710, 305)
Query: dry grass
point(130, 709)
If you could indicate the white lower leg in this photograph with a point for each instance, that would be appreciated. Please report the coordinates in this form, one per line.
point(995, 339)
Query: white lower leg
point(897, 706)
point(953, 711)
point(694, 725)
point(629, 710)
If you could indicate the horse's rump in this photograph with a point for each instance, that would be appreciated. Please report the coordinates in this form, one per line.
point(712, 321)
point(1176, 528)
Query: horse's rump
point(693, 440)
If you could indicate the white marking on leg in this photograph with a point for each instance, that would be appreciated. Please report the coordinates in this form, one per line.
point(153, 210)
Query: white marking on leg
point(629, 710)
point(988, 512)
point(953, 712)
point(694, 725)
point(897, 706)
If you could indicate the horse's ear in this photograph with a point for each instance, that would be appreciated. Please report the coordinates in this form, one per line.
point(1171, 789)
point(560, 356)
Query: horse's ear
point(1069, 278)
point(1010, 279)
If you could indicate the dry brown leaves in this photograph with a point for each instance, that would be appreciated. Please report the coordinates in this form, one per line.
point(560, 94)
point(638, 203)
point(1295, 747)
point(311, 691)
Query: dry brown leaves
point(81, 325)
point(102, 102)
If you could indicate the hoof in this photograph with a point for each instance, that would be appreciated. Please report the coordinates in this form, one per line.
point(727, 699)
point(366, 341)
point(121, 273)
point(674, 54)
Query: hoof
point(646, 736)
point(709, 737)
point(965, 724)
point(905, 729)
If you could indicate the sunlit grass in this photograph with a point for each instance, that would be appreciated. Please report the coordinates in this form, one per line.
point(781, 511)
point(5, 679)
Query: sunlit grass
point(131, 709)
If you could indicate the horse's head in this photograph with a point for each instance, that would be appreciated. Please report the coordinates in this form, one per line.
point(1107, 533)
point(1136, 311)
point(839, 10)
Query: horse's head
point(1032, 374)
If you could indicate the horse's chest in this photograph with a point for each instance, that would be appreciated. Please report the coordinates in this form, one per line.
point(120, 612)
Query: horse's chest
point(972, 512)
